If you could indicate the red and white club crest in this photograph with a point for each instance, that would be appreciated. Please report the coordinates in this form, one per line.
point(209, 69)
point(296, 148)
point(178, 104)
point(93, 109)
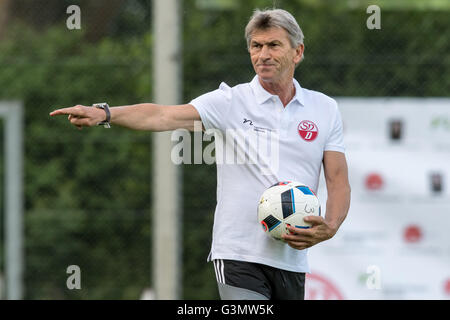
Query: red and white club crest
point(308, 130)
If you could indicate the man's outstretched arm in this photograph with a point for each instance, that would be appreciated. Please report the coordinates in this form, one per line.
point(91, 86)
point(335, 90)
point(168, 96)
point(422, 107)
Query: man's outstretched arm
point(145, 116)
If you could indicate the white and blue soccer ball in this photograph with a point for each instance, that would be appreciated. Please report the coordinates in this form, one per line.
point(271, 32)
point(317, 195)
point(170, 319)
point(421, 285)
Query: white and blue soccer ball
point(286, 203)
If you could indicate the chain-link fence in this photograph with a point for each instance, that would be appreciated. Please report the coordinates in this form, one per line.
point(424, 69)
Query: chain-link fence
point(88, 193)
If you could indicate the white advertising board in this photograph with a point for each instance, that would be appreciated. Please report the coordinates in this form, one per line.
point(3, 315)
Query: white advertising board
point(395, 242)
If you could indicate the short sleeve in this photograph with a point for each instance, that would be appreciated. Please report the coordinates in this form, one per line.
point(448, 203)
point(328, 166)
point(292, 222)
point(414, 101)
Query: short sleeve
point(214, 106)
point(335, 140)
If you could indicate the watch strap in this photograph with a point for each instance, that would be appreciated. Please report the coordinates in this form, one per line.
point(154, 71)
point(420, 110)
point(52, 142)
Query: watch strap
point(107, 122)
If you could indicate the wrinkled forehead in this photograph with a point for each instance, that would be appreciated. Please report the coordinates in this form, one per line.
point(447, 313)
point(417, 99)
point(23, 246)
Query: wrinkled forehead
point(269, 35)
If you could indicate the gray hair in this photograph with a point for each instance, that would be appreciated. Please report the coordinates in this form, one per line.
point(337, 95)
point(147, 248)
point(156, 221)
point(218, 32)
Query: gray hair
point(278, 18)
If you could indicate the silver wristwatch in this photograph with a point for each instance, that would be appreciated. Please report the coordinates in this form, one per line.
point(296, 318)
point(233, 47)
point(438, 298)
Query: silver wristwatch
point(106, 123)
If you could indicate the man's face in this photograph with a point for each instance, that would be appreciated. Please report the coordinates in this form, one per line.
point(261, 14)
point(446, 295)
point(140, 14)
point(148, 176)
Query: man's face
point(272, 55)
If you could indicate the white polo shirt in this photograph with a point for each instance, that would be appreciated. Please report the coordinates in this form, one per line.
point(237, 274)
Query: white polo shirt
point(271, 143)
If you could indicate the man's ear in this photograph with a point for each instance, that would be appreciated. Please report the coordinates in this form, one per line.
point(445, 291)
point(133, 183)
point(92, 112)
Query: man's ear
point(299, 53)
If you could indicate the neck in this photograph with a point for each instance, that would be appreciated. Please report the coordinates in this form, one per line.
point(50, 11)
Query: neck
point(285, 90)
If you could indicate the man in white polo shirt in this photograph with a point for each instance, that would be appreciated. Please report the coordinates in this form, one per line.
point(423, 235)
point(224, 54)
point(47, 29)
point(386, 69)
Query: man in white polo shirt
point(302, 129)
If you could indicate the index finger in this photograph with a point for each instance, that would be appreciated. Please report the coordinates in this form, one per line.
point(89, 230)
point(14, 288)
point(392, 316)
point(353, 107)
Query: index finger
point(297, 230)
point(71, 110)
point(314, 219)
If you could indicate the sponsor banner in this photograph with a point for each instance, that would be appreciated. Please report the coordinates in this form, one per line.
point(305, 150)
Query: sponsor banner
point(395, 242)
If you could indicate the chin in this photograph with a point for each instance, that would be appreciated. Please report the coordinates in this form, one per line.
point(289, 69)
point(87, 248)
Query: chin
point(266, 76)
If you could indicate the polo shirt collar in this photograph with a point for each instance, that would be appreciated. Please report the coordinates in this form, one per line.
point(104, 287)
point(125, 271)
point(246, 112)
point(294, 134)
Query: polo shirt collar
point(262, 95)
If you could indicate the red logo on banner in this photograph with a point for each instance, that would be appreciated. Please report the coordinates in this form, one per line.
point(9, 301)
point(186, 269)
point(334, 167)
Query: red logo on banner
point(320, 288)
point(374, 181)
point(308, 130)
point(412, 234)
point(447, 287)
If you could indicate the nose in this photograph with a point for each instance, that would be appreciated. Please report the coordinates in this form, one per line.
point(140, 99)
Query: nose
point(264, 54)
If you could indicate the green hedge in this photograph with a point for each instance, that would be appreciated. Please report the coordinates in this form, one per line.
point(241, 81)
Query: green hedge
point(87, 193)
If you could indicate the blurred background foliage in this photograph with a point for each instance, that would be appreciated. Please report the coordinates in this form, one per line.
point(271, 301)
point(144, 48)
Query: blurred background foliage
point(88, 192)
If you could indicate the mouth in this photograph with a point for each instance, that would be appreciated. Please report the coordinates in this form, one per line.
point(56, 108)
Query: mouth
point(265, 66)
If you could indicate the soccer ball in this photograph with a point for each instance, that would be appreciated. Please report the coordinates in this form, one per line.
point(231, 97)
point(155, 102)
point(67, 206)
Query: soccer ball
point(286, 203)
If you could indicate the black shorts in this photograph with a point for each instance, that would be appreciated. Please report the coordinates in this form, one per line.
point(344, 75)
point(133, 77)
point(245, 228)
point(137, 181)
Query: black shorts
point(239, 280)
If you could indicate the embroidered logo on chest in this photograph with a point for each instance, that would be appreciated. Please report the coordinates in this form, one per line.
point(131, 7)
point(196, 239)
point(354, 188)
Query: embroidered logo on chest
point(256, 128)
point(307, 130)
